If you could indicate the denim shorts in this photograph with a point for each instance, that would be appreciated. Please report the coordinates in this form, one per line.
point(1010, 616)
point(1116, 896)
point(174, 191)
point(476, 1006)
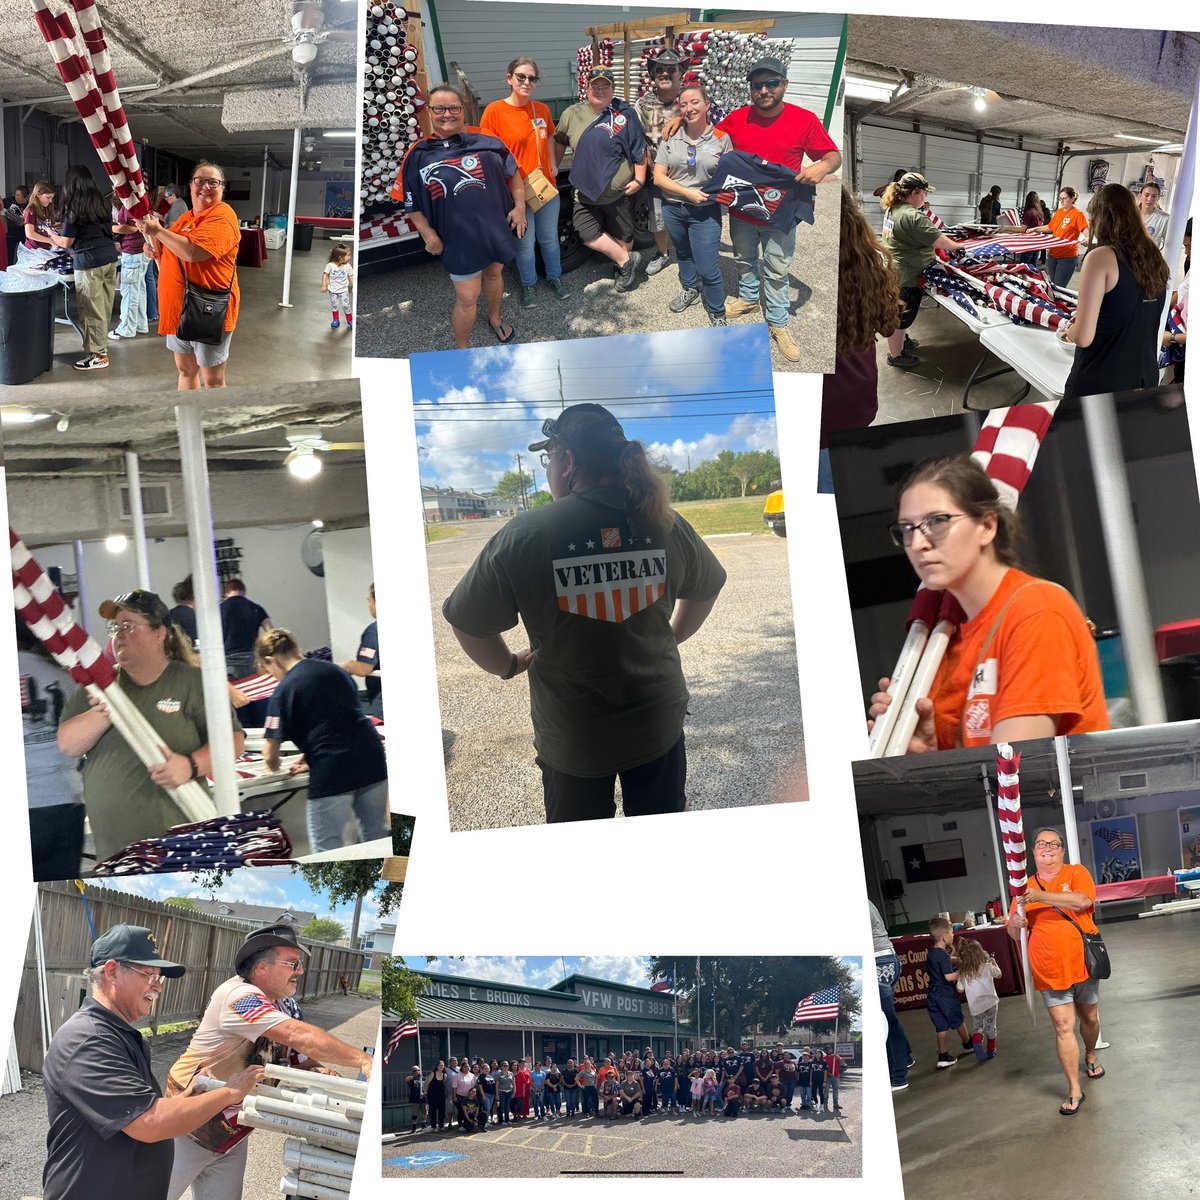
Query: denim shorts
point(205, 355)
point(1086, 992)
point(946, 1014)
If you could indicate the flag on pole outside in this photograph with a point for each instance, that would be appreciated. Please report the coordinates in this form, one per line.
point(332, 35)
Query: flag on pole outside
point(697, 968)
point(820, 1006)
point(665, 984)
point(403, 1030)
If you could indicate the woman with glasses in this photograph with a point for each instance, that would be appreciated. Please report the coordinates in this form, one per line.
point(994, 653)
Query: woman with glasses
point(684, 163)
point(1057, 909)
point(156, 668)
point(464, 195)
point(1067, 222)
point(1022, 662)
point(201, 248)
point(608, 581)
point(525, 126)
point(316, 708)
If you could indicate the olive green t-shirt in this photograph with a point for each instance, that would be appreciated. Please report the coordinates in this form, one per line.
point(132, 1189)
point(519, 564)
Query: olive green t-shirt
point(913, 235)
point(123, 804)
point(571, 125)
point(595, 593)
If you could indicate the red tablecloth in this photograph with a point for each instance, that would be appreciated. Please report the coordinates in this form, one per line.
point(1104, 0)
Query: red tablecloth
point(3, 248)
point(912, 988)
point(253, 250)
point(1132, 889)
point(1178, 640)
point(346, 223)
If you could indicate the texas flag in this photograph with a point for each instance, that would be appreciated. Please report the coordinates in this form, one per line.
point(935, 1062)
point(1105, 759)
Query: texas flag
point(664, 985)
point(934, 860)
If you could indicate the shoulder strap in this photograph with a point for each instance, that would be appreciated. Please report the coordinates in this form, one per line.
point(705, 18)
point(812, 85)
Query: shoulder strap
point(1061, 911)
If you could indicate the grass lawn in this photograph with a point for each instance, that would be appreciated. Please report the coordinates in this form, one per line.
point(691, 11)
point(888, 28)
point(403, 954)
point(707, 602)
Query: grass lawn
point(725, 516)
point(371, 983)
point(439, 531)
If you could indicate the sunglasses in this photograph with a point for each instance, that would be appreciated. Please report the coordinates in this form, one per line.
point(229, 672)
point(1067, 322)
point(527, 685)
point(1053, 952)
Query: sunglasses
point(765, 83)
point(524, 78)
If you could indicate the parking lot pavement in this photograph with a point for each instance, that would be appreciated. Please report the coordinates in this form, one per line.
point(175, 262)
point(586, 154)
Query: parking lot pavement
point(407, 310)
point(743, 729)
point(754, 1145)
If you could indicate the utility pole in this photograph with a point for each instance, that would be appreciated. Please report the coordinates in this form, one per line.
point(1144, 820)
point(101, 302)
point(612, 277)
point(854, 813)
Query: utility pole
point(562, 403)
point(521, 477)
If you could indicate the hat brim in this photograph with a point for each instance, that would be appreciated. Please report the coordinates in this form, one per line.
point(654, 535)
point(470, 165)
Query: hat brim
point(169, 969)
point(253, 945)
point(109, 609)
point(535, 446)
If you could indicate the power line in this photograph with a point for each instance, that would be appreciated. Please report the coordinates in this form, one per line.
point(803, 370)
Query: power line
point(754, 412)
point(708, 396)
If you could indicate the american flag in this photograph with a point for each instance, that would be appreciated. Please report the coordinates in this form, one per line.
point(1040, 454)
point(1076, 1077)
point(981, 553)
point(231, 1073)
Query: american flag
point(256, 687)
point(1012, 216)
point(607, 579)
point(252, 1007)
point(1008, 812)
point(1012, 243)
point(26, 698)
point(820, 1006)
point(1117, 839)
point(406, 1029)
point(1008, 444)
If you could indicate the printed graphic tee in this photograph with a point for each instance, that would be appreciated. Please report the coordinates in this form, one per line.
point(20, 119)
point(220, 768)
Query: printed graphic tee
point(761, 192)
point(605, 146)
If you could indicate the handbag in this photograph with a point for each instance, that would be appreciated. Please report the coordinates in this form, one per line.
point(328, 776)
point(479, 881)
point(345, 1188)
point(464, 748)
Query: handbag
point(1095, 952)
point(202, 318)
point(539, 190)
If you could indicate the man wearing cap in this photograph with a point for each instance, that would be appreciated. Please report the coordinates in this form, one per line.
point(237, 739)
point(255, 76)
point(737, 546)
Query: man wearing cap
point(111, 1130)
point(654, 109)
point(127, 801)
point(783, 134)
point(608, 168)
point(608, 580)
point(247, 1019)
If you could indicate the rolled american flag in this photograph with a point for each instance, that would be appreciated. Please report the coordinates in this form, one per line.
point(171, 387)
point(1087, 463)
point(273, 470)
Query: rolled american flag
point(1008, 812)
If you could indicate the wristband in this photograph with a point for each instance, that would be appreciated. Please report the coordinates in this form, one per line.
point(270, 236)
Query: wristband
point(195, 766)
point(512, 668)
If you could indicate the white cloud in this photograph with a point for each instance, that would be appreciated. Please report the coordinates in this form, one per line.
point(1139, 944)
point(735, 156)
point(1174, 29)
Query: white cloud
point(510, 968)
point(619, 968)
point(746, 432)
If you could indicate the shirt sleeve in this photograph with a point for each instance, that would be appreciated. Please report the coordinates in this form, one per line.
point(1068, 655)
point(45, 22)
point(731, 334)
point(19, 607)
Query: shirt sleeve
point(484, 602)
point(274, 726)
point(247, 1013)
point(219, 234)
point(703, 576)
point(105, 1088)
point(70, 228)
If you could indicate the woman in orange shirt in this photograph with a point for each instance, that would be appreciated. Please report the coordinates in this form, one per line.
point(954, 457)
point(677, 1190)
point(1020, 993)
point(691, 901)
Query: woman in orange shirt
point(1058, 905)
point(203, 246)
point(1023, 664)
point(525, 126)
point(1067, 222)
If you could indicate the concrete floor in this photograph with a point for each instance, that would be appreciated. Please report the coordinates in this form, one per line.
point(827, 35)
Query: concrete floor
point(1134, 1135)
point(270, 345)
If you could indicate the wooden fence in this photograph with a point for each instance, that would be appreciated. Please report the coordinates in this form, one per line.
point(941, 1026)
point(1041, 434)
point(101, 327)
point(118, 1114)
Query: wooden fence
point(204, 944)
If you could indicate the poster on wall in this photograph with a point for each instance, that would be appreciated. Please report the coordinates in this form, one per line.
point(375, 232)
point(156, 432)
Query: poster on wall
point(339, 199)
point(1115, 848)
point(1189, 837)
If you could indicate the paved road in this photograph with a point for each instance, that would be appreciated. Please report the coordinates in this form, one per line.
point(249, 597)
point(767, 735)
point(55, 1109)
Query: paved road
point(407, 310)
point(759, 1145)
point(743, 730)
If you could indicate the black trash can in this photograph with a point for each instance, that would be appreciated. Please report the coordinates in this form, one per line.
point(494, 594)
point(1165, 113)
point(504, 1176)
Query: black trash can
point(302, 237)
point(26, 334)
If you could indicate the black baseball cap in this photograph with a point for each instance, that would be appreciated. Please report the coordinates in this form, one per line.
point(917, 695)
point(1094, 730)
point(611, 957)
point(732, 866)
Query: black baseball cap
point(666, 58)
point(149, 604)
point(773, 65)
point(132, 944)
point(602, 73)
point(581, 425)
point(261, 939)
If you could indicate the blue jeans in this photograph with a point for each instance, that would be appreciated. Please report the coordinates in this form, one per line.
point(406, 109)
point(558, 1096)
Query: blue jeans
point(806, 1093)
point(789, 1090)
point(695, 232)
point(506, 1099)
point(554, 1102)
point(777, 250)
point(572, 1098)
point(488, 1104)
point(152, 292)
point(539, 1105)
point(887, 971)
point(834, 1080)
point(133, 295)
point(1060, 271)
point(328, 815)
point(591, 1100)
point(541, 228)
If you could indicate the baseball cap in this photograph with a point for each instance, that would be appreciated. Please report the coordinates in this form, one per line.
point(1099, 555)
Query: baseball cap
point(149, 604)
point(261, 939)
point(132, 944)
point(602, 73)
point(581, 425)
point(913, 181)
point(774, 65)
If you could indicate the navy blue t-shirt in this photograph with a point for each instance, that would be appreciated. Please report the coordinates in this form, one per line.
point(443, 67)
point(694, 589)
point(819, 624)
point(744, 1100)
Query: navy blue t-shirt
point(368, 652)
point(762, 192)
point(241, 620)
point(316, 707)
point(617, 135)
point(184, 616)
point(940, 966)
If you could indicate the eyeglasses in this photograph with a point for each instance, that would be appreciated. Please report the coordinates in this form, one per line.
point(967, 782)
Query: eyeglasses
point(544, 459)
point(445, 110)
point(155, 980)
point(202, 182)
point(125, 628)
point(765, 83)
point(524, 78)
point(1047, 845)
point(934, 528)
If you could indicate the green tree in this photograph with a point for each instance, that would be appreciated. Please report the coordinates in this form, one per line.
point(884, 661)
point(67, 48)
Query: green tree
point(324, 929)
point(513, 488)
point(755, 468)
point(401, 987)
point(541, 499)
point(183, 902)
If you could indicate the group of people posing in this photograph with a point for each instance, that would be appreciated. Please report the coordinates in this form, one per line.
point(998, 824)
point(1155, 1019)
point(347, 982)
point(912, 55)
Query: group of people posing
point(478, 1094)
point(480, 198)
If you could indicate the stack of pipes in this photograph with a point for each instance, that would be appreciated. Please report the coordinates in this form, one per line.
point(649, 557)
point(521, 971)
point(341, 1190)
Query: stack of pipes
point(585, 61)
point(322, 1116)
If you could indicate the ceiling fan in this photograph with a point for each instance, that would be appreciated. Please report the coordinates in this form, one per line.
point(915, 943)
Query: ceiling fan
point(307, 32)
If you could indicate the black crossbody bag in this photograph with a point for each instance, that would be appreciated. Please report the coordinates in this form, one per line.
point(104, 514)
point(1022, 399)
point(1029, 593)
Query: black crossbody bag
point(1095, 952)
point(204, 309)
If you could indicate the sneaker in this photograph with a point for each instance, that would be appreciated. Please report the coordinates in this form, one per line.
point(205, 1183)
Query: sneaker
point(735, 306)
point(904, 360)
point(945, 1060)
point(912, 1062)
point(910, 344)
point(781, 335)
point(627, 273)
point(529, 296)
point(114, 336)
point(900, 1087)
point(968, 1047)
point(717, 320)
point(990, 1055)
point(93, 362)
point(980, 1051)
point(560, 289)
point(335, 324)
point(685, 299)
point(658, 263)
point(349, 322)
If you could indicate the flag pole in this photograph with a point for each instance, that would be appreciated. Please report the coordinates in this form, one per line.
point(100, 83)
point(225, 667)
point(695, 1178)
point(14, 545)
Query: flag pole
point(675, 1005)
point(1012, 827)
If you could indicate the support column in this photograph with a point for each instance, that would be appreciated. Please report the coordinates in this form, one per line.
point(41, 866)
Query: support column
point(291, 221)
point(208, 616)
point(1062, 756)
point(81, 603)
point(262, 204)
point(994, 827)
point(133, 477)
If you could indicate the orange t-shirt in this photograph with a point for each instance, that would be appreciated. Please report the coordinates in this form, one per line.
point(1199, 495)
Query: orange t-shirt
point(1067, 223)
point(1041, 659)
point(603, 1073)
point(1055, 944)
point(215, 230)
point(527, 131)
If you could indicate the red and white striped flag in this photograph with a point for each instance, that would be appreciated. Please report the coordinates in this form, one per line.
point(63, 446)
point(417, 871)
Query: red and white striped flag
point(1027, 310)
point(1015, 242)
point(84, 65)
point(1008, 445)
point(1008, 812)
point(257, 687)
point(406, 1029)
point(1012, 216)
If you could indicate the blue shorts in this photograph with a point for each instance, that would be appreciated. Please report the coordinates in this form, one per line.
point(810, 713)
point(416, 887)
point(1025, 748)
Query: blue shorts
point(1085, 992)
point(946, 1014)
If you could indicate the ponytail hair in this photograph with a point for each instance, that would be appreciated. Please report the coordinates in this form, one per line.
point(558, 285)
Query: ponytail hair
point(275, 643)
point(178, 646)
point(648, 497)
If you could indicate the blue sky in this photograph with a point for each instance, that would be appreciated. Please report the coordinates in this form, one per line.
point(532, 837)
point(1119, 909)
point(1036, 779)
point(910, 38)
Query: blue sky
point(687, 394)
point(274, 886)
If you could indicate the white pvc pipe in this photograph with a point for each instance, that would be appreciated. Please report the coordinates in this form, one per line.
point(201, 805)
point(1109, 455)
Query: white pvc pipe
point(314, 1100)
point(291, 222)
point(898, 684)
point(1062, 756)
point(80, 587)
point(40, 951)
point(137, 515)
point(322, 1134)
point(262, 204)
point(289, 1185)
point(203, 562)
point(922, 681)
point(297, 1155)
point(298, 1112)
point(354, 1088)
point(323, 1178)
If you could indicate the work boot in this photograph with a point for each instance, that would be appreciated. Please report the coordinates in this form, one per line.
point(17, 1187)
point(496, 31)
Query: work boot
point(735, 306)
point(781, 335)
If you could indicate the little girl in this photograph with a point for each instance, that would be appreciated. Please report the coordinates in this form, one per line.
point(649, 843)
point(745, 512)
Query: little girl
point(709, 1092)
point(337, 280)
point(697, 1090)
point(977, 973)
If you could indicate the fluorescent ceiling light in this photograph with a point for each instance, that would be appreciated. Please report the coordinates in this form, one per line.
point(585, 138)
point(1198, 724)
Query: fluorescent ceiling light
point(15, 414)
point(338, 133)
point(1129, 137)
point(860, 87)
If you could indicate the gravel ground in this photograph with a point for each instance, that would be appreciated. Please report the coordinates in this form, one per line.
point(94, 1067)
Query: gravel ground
point(23, 1124)
point(760, 1145)
point(743, 732)
point(407, 310)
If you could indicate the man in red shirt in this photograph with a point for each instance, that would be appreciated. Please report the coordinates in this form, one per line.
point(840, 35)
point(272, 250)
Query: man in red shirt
point(783, 134)
point(833, 1073)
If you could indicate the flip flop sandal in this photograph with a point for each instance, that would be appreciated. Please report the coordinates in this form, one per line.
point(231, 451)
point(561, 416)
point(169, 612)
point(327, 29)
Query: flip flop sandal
point(1094, 1069)
point(1064, 1111)
point(499, 332)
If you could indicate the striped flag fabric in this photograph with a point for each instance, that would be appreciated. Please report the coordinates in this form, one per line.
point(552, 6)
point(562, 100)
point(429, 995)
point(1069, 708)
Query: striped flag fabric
point(1012, 243)
point(1008, 444)
point(84, 65)
point(1008, 813)
point(257, 687)
point(1116, 839)
point(402, 1031)
point(1026, 310)
point(820, 1006)
point(1012, 216)
point(665, 984)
